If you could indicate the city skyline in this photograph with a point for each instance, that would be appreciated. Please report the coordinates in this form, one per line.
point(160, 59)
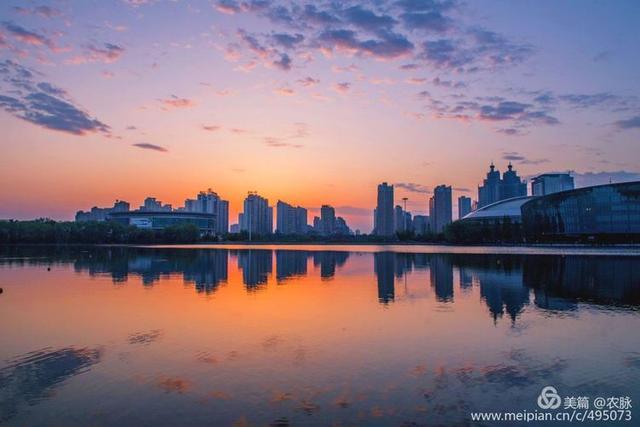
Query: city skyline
point(127, 99)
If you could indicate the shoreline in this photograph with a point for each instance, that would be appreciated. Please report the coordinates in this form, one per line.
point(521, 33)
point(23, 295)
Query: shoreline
point(628, 250)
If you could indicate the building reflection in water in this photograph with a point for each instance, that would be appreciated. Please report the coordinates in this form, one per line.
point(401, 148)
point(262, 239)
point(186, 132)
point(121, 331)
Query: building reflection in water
point(328, 261)
point(290, 264)
point(507, 284)
point(256, 265)
point(384, 265)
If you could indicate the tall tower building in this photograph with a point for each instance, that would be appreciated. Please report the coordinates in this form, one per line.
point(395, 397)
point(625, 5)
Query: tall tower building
point(464, 206)
point(494, 188)
point(257, 217)
point(489, 191)
point(290, 219)
point(327, 220)
point(384, 221)
point(441, 208)
point(512, 185)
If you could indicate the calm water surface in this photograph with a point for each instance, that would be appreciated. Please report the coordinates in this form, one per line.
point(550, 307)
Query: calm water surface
point(274, 336)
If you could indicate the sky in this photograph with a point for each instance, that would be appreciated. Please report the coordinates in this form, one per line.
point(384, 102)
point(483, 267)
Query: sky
point(309, 102)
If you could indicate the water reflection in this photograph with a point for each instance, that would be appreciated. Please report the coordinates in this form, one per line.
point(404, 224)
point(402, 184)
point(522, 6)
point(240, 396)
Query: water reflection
point(308, 337)
point(32, 377)
point(507, 283)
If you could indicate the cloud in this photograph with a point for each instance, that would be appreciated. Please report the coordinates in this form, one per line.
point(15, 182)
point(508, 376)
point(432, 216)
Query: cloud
point(429, 22)
point(448, 83)
point(228, 7)
point(26, 36)
point(462, 189)
point(175, 102)
point(416, 80)
point(42, 11)
point(603, 56)
point(300, 131)
point(479, 49)
point(284, 63)
point(251, 42)
point(211, 128)
point(368, 20)
point(342, 87)
point(387, 46)
point(153, 147)
point(631, 123)
point(587, 179)
point(308, 81)
point(409, 67)
point(107, 53)
point(413, 187)
point(284, 91)
point(287, 41)
point(43, 103)
point(279, 143)
point(516, 157)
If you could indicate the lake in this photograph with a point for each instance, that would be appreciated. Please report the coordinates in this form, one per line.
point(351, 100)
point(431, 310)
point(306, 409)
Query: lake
point(312, 335)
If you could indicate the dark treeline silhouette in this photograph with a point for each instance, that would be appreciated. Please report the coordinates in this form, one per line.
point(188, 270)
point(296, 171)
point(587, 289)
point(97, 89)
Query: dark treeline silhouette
point(91, 232)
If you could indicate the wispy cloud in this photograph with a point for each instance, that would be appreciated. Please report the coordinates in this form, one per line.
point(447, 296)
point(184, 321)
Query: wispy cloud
point(308, 81)
point(413, 187)
point(43, 103)
point(342, 87)
point(26, 36)
point(630, 123)
point(176, 102)
point(284, 91)
point(517, 157)
point(106, 53)
point(152, 147)
point(42, 11)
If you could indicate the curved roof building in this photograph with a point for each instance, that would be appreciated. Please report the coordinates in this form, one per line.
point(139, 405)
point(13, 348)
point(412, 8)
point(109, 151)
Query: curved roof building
point(603, 210)
point(497, 211)
point(158, 220)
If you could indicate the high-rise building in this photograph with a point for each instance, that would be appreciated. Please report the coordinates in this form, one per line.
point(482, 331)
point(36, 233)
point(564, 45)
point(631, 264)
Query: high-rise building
point(421, 225)
point(464, 206)
point(257, 217)
point(494, 188)
point(209, 202)
point(402, 220)
point(102, 214)
point(440, 208)
point(512, 185)
point(327, 220)
point(152, 205)
point(549, 183)
point(342, 229)
point(384, 213)
point(290, 219)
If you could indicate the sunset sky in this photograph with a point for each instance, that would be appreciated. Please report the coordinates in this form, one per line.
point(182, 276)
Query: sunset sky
point(311, 103)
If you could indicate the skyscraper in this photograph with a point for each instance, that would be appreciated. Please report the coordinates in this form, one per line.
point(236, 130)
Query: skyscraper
point(464, 206)
point(327, 220)
point(209, 202)
point(549, 183)
point(494, 188)
point(257, 217)
point(384, 221)
point(290, 219)
point(512, 185)
point(440, 208)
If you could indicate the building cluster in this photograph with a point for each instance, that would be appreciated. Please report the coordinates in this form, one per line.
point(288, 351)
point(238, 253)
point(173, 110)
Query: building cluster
point(390, 219)
point(211, 213)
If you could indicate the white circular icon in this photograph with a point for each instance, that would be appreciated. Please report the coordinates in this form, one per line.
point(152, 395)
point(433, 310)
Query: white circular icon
point(549, 398)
